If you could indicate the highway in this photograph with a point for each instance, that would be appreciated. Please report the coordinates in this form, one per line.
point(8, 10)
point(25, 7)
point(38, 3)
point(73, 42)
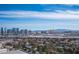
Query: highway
point(40, 36)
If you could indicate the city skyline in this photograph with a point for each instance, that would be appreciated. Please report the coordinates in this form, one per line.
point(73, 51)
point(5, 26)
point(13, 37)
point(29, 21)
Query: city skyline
point(40, 16)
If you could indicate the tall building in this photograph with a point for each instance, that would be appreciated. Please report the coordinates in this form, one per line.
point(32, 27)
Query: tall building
point(50, 31)
point(5, 31)
point(25, 32)
point(15, 31)
point(2, 31)
point(9, 32)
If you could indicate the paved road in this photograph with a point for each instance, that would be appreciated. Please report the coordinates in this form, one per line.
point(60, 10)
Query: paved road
point(31, 36)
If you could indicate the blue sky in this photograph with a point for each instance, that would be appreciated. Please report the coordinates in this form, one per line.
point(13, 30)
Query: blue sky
point(40, 16)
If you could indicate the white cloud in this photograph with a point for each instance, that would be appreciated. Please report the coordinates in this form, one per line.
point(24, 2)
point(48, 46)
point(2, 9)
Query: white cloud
point(59, 14)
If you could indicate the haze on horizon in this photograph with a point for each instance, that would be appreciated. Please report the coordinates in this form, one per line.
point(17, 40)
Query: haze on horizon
point(40, 16)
